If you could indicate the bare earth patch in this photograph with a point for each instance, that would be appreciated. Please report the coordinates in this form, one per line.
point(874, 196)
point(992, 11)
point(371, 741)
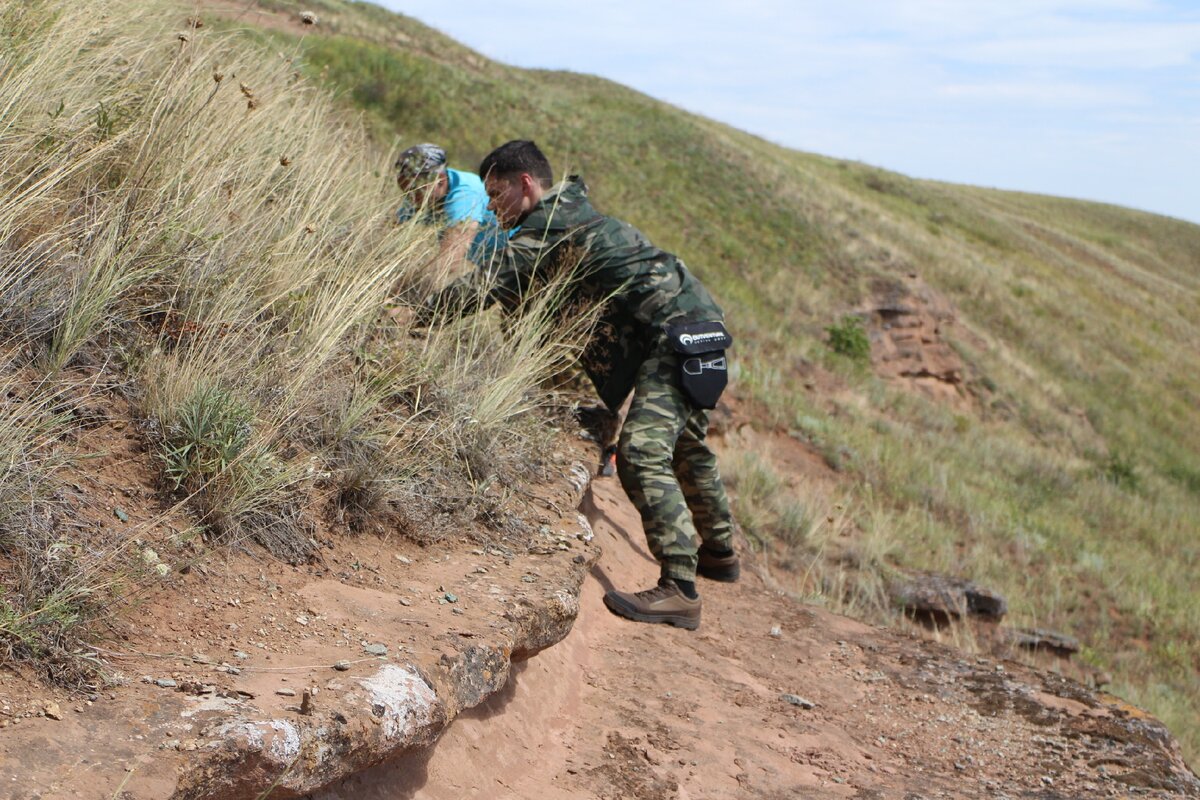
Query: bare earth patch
point(826, 708)
point(244, 673)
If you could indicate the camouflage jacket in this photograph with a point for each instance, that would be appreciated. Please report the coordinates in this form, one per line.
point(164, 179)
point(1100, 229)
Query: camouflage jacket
point(643, 289)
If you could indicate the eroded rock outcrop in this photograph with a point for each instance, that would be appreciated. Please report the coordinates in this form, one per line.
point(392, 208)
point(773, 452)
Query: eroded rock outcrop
point(939, 599)
point(262, 678)
point(907, 322)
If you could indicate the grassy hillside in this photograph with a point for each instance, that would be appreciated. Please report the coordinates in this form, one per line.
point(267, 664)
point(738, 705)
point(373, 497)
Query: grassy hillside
point(192, 230)
point(1071, 480)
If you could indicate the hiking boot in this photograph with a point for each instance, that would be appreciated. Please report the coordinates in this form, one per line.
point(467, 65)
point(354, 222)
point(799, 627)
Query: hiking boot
point(664, 603)
point(721, 567)
point(608, 462)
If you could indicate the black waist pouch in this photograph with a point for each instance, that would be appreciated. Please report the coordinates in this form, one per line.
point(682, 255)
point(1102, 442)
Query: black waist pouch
point(703, 368)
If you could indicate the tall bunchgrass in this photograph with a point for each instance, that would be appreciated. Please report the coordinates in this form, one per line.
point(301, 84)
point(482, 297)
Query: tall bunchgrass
point(824, 542)
point(180, 208)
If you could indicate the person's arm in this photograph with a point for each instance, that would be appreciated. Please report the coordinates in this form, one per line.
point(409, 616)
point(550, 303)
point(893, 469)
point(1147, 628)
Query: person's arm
point(454, 249)
point(505, 282)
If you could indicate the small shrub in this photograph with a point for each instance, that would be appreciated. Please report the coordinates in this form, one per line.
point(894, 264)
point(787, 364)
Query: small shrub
point(756, 484)
point(877, 182)
point(52, 591)
point(210, 434)
point(849, 338)
point(1120, 470)
point(48, 593)
point(236, 484)
point(839, 457)
point(795, 522)
point(1186, 476)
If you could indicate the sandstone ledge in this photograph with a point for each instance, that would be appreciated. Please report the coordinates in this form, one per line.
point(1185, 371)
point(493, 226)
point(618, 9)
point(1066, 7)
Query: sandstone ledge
point(203, 712)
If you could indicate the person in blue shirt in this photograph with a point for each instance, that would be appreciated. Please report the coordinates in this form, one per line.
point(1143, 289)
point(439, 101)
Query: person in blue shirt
point(452, 199)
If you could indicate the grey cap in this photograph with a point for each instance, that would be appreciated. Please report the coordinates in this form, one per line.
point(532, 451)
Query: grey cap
point(420, 160)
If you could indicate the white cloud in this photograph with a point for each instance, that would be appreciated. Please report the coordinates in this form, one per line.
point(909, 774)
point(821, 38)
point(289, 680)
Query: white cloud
point(1141, 47)
point(1044, 93)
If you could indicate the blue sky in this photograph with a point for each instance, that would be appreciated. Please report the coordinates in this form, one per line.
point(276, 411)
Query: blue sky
point(1097, 99)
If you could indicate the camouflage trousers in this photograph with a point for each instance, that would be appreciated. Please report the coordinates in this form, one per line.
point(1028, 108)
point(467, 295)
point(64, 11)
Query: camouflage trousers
point(668, 471)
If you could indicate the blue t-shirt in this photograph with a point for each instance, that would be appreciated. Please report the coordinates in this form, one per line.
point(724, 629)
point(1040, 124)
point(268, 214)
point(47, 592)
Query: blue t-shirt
point(467, 200)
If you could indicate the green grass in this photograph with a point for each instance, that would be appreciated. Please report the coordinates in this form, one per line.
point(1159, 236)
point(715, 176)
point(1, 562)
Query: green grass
point(849, 338)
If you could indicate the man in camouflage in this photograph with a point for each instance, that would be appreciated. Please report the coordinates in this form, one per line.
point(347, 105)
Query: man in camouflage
point(664, 462)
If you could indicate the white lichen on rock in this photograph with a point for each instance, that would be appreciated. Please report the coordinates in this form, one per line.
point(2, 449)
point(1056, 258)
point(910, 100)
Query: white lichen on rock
point(579, 476)
point(586, 534)
point(400, 698)
point(568, 603)
point(276, 738)
point(210, 704)
point(285, 745)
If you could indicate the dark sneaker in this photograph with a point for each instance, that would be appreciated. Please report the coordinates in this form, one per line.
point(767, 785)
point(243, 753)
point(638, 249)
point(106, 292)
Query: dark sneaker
point(722, 567)
point(664, 603)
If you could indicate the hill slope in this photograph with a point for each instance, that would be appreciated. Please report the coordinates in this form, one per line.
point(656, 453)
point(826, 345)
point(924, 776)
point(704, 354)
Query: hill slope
point(198, 265)
point(1055, 458)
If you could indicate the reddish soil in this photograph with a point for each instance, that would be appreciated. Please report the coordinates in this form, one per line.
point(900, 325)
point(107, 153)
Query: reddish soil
point(625, 710)
point(229, 630)
point(769, 699)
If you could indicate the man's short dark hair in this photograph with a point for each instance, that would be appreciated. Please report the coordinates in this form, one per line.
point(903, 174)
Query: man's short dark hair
point(513, 158)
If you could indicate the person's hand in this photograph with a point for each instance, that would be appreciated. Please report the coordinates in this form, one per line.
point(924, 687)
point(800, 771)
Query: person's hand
point(403, 316)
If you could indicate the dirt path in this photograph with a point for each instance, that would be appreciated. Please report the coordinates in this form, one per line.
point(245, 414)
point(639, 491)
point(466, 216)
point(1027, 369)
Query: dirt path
point(623, 710)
